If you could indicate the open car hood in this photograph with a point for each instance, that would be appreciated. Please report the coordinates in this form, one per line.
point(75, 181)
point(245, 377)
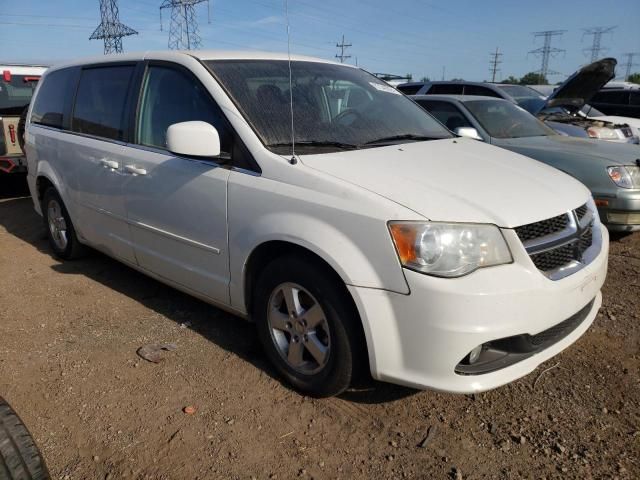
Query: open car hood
point(581, 87)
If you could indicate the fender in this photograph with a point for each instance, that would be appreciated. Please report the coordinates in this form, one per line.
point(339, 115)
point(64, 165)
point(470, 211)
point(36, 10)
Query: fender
point(339, 252)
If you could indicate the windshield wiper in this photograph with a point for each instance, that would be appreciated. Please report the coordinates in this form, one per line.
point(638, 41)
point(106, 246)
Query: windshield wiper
point(317, 143)
point(408, 136)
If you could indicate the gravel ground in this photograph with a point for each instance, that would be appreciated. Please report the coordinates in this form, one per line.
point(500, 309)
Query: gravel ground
point(68, 339)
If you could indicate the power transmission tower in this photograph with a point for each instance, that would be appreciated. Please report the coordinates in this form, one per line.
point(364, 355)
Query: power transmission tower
point(183, 29)
point(597, 33)
point(546, 51)
point(495, 61)
point(629, 63)
point(342, 47)
point(110, 29)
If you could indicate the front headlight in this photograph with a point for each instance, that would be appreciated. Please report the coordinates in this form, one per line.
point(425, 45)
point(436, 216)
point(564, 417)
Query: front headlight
point(603, 133)
point(448, 249)
point(627, 176)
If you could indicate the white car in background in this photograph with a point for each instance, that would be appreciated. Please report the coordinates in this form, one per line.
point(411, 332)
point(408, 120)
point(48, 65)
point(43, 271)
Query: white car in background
point(311, 197)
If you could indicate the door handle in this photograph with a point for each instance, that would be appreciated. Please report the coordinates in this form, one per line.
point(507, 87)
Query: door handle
point(132, 169)
point(110, 164)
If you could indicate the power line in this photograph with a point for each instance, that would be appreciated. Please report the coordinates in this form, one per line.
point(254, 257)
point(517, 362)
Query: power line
point(342, 47)
point(183, 29)
point(546, 51)
point(110, 29)
point(493, 65)
point(629, 63)
point(597, 33)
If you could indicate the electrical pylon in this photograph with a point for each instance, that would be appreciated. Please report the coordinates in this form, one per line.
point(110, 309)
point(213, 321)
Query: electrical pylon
point(183, 29)
point(110, 29)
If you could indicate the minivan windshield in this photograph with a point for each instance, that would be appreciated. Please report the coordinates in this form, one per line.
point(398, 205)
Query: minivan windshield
point(335, 107)
point(502, 119)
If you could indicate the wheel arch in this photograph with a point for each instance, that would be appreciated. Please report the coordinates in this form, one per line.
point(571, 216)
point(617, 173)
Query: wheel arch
point(270, 250)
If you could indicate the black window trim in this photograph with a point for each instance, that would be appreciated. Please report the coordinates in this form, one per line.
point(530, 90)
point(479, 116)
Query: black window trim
point(235, 138)
point(122, 63)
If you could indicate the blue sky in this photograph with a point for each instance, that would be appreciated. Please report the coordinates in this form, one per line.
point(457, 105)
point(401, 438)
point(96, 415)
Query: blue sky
point(402, 36)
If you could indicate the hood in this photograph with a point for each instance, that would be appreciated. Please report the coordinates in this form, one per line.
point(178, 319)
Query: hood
point(545, 148)
point(458, 180)
point(581, 87)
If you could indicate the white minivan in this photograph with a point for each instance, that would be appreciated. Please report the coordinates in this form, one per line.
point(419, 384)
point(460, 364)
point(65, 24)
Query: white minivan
point(354, 229)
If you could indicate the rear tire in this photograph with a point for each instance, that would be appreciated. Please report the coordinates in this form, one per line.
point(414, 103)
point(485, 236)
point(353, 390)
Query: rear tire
point(308, 326)
point(60, 232)
point(21, 127)
point(20, 458)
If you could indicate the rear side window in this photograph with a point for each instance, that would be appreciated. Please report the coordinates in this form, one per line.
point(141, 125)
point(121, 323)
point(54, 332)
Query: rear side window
point(170, 96)
point(54, 96)
point(409, 89)
point(100, 107)
point(478, 90)
point(635, 98)
point(444, 89)
point(618, 98)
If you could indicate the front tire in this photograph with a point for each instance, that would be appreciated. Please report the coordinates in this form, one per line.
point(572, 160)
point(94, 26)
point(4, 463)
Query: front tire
point(308, 326)
point(60, 232)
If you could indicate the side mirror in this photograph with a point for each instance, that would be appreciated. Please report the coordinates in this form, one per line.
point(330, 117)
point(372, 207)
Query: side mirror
point(468, 132)
point(197, 139)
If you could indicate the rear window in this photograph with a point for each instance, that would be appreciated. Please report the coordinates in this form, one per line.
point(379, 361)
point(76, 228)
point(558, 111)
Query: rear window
point(409, 89)
point(100, 107)
point(478, 90)
point(16, 92)
point(445, 89)
point(53, 98)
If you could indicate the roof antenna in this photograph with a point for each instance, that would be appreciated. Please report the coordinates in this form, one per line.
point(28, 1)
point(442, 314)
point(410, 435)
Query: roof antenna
point(293, 159)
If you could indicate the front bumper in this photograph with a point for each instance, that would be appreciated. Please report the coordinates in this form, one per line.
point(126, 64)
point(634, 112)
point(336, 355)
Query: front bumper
point(418, 339)
point(622, 211)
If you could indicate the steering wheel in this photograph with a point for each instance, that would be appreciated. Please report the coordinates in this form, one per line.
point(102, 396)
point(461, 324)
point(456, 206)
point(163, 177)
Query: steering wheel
point(345, 113)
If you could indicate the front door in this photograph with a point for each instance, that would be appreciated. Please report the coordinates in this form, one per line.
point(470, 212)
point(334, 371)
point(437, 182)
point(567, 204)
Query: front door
point(176, 206)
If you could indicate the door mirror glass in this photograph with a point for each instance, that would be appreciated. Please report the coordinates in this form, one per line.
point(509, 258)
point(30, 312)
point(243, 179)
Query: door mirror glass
point(196, 138)
point(468, 132)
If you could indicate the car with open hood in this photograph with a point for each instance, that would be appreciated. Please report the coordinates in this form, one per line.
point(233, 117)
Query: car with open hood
point(610, 170)
point(314, 199)
point(569, 104)
point(559, 111)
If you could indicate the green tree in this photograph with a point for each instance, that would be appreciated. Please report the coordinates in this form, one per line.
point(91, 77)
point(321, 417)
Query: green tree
point(634, 77)
point(425, 79)
point(511, 80)
point(534, 78)
point(457, 79)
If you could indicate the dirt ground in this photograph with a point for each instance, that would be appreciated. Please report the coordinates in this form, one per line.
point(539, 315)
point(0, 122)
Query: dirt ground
point(68, 339)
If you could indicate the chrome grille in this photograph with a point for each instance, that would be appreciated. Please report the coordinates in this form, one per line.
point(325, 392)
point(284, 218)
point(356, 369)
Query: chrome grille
point(557, 246)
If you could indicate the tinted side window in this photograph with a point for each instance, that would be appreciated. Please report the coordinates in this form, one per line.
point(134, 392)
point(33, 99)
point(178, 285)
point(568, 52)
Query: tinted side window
point(409, 89)
point(53, 97)
point(478, 90)
point(445, 89)
point(446, 113)
point(171, 95)
point(634, 98)
point(100, 107)
point(619, 98)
